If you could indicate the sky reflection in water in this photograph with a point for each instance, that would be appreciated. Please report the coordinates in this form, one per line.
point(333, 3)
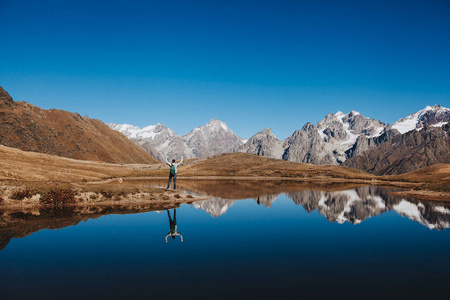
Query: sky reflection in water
point(282, 247)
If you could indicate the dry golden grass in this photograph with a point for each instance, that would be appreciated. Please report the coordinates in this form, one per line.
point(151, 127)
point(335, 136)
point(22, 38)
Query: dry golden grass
point(428, 174)
point(30, 166)
point(248, 165)
point(21, 165)
point(435, 177)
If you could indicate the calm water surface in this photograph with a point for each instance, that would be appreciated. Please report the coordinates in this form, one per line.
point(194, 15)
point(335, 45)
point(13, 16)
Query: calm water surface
point(358, 243)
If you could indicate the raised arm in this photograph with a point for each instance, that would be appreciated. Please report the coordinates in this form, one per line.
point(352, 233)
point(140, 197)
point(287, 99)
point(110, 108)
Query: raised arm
point(181, 161)
point(167, 161)
point(167, 236)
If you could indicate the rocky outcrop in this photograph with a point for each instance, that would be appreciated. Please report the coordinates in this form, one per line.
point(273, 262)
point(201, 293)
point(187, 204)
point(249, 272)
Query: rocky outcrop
point(365, 143)
point(264, 143)
point(57, 132)
point(5, 98)
point(408, 152)
point(307, 146)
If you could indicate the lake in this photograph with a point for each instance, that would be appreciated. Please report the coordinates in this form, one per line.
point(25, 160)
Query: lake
point(358, 242)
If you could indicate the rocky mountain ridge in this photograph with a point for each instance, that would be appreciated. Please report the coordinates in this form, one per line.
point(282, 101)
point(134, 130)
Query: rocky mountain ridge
point(330, 141)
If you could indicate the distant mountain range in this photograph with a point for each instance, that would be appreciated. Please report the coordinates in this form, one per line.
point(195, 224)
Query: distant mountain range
point(211, 139)
point(350, 139)
point(58, 132)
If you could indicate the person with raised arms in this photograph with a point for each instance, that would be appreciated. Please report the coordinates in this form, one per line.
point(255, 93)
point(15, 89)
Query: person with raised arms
point(173, 172)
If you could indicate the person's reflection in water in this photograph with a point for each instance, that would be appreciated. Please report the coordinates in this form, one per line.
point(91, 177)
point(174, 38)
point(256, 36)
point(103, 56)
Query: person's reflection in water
point(173, 226)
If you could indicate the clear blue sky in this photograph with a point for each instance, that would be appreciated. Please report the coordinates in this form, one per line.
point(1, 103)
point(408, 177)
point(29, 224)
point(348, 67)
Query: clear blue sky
point(252, 64)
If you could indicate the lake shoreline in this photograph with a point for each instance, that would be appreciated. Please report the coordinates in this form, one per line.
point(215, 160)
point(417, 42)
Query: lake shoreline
point(86, 196)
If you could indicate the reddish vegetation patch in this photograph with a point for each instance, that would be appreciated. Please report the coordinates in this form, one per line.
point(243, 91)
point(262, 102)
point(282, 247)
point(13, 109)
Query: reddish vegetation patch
point(58, 197)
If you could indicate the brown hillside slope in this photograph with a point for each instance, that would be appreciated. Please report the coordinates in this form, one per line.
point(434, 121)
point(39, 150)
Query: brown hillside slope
point(57, 132)
point(435, 177)
point(21, 165)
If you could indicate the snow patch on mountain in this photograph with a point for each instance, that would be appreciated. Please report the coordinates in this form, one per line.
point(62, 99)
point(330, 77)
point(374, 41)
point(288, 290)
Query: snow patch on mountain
point(437, 116)
point(440, 124)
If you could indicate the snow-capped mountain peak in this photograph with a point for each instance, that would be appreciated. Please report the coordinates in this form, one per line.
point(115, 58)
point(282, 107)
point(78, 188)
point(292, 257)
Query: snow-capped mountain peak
point(128, 130)
point(347, 127)
point(339, 114)
point(431, 115)
point(135, 132)
point(213, 138)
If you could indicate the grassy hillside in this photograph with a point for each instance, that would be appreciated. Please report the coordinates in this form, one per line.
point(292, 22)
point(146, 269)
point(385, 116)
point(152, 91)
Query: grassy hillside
point(435, 177)
point(58, 132)
point(249, 165)
point(21, 165)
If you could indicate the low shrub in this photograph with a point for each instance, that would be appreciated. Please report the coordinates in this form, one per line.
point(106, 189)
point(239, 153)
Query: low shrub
point(22, 194)
point(106, 194)
point(93, 196)
point(58, 196)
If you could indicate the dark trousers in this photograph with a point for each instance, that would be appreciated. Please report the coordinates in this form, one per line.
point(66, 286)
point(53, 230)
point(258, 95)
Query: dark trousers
point(174, 180)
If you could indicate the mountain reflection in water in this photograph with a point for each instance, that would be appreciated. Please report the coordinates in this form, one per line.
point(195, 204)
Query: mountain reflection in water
point(353, 205)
